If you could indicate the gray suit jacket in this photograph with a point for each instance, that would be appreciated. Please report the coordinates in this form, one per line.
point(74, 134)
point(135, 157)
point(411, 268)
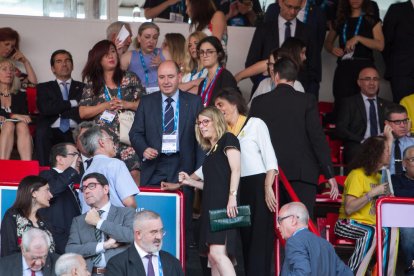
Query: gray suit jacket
point(129, 263)
point(12, 265)
point(118, 225)
point(146, 132)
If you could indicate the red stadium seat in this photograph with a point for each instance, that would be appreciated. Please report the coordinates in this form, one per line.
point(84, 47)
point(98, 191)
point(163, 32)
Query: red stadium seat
point(16, 170)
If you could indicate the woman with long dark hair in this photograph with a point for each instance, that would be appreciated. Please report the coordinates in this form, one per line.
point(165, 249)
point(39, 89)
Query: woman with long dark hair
point(109, 90)
point(32, 194)
point(359, 32)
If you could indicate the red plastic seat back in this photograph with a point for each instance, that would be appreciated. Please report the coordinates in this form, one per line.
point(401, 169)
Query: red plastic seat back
point(16, 170)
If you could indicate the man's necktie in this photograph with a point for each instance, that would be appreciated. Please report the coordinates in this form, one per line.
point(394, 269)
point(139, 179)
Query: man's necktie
point(169, 117)
point(373, 118)
point(150, 268)
point(88, 162)
point(397, 157)
point(98, 236)
point(33, 273)
point(64, 122)
point(287, 29)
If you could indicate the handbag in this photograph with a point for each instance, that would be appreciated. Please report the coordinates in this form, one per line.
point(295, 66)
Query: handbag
point(219, 220)
point(126, 118)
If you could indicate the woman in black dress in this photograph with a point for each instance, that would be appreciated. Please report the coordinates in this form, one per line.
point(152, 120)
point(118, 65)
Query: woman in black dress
point(359, 31)
point(221, 174)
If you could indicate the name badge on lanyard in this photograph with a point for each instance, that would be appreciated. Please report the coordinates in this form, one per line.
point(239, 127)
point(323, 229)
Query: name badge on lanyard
point(108, 115)
point(169, 141)
point(349, 55)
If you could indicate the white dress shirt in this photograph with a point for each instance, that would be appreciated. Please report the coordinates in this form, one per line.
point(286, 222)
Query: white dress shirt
point(73, 103)
point(100, 245)
point(282, 27)
point(144, 259)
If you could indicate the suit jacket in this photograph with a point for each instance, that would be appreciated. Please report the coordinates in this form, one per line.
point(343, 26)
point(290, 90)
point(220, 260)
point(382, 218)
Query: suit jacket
point(51, 104)
point(296, 132)
point(266, 39)
point(399, 39)
point(12, 265)
point(352, 118)
point(64, 205)
point(146, 132)
point(118, 226)
point(308, 254)
point(129, 263)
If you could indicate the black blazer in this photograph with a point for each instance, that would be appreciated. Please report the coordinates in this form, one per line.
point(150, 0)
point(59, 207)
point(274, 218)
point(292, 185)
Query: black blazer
point(226, 79)
point(12, 265)
point(51, 104)
point(296, 132)
point(352, 119)
point(266, 39)
point(63, 206)
point(18, 105)
point(129, 263)
point(399, 39)
point(146, 132)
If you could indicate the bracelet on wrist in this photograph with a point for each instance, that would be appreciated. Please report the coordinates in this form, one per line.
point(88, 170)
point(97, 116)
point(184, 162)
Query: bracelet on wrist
point(367, 197)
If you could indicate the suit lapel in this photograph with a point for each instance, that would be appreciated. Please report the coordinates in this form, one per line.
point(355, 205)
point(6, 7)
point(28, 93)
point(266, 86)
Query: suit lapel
point(135, 261)
point(56, 87)
point(158, 115)
point(276, 34)
point(111, 214)
point(361, 108)
point(184, 109)
point(47, 269)
point(74, 90)
point(381, 115)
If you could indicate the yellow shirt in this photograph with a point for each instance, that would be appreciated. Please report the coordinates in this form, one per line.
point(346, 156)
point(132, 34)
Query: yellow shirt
point(358, 184)
point(408, 103)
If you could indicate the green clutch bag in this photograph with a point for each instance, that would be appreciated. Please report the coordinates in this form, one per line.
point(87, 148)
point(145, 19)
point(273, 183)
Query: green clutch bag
point(219, 220)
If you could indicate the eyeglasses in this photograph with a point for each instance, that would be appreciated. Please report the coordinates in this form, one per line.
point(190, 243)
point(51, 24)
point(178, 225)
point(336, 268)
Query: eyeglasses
point(399, 122)
point(206, 53)
point(367, 79)
point(291, 7)
point(411, 159)
point(280, 219)
point(154, 233)
point(204, 122)
point(74, 154)
point(91, 186)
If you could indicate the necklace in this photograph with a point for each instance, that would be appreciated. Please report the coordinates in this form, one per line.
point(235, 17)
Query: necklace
point(4, 95)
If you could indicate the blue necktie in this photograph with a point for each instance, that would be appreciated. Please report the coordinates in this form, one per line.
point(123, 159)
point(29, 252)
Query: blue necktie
point(373, 118)
point(64, 122)
point(287, 29)
point(150, 269)
point(169, 117)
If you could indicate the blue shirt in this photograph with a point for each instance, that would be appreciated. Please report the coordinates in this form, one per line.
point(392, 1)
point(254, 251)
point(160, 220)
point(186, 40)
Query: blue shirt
point(174, 105)
point(121, 183)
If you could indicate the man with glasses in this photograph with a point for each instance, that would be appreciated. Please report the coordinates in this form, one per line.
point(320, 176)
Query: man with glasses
point(145, 257)
point(57, 101)
point(404, 187)
point(97, 142)
point(362, 115)
point(271, 35)
point(104, 231)
point(64, 206)
point(396, 118)
point(306, 253)
point(35, 258)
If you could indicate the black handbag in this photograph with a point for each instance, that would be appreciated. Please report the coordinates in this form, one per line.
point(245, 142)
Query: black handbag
point(219, 220)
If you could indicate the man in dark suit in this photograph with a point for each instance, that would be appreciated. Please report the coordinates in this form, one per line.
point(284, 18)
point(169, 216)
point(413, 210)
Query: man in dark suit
point(362, 115)
point(306, 253)
point(64, 206)
point(105, 230)
point(163, 134)
point(271, 35)
point(296, 132)
point(145, 257)
point(34, 258)
point(315, 19)
point(398, 48)
point(57, 102)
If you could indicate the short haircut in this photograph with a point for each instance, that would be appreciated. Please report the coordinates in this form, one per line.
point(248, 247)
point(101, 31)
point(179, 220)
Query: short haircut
point(233, 96)
point(215, 42)
point(406, 150)
point(143, 216)
point(286, 68)
point(299, 210)
point(90, 139)
point(394, 108)
point(57, 52)
point(66, 263)
point(219, 124)
point(58, 150)
point(32, 234)
point(98, 176)
point(84, 124)
point(115, 27)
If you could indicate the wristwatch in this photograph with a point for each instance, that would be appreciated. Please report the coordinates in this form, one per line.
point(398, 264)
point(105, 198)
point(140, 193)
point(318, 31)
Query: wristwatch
point(233, 193)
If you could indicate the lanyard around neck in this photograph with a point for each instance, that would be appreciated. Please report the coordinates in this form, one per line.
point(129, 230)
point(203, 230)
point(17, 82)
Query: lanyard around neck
point(108, 96)
point(357, 27)
point(206, 93)
point(144, 65)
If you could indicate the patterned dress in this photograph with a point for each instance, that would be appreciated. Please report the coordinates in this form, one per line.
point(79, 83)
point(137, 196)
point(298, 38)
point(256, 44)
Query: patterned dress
point(131, 90)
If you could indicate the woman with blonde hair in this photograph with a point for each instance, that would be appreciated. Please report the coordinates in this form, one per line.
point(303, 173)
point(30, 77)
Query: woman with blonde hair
point(14, 116)
point(174, 46)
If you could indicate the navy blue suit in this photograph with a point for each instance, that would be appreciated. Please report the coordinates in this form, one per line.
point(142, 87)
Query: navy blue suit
point(308, 254)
